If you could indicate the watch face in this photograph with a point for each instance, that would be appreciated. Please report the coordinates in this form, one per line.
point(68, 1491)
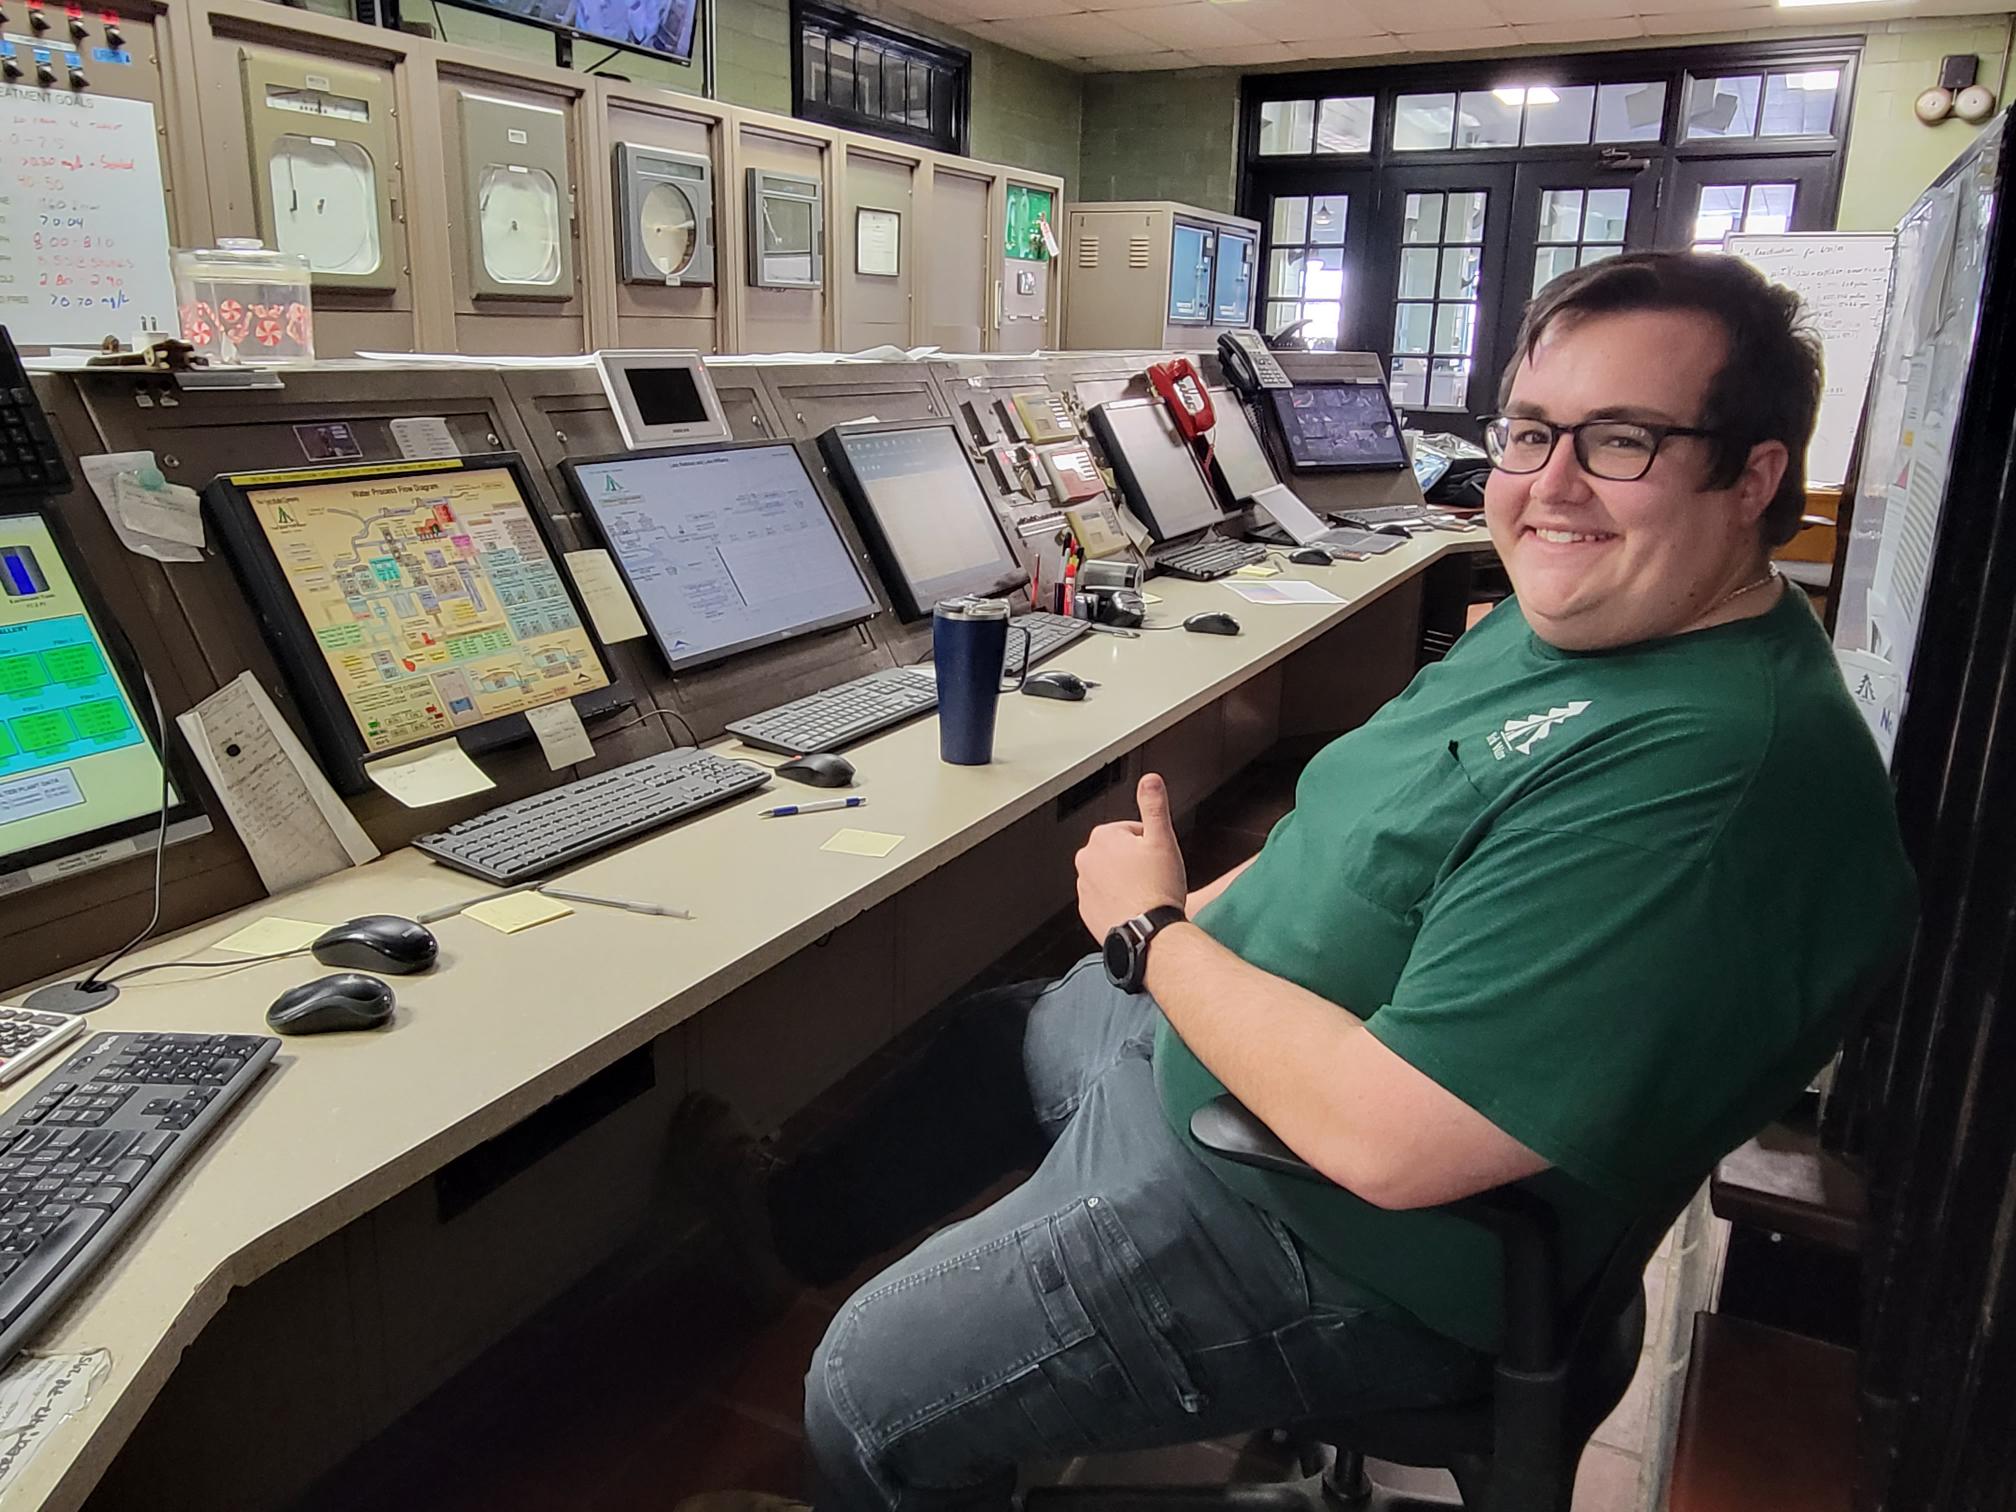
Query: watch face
point(1119, 953)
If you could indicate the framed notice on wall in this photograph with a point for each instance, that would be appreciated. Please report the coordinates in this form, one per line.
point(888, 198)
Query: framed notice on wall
point(878, 242)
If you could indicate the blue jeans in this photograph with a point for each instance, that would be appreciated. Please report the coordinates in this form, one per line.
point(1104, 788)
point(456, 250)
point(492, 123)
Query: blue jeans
point(1120, 1298)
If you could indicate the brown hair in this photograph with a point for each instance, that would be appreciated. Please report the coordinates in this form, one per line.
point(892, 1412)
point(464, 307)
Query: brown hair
point(1768, 388)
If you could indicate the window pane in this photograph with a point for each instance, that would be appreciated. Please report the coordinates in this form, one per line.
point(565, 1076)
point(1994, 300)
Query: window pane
point(1722, 107)
point(840, 73)
point(1466, 216)
point(1629, 112)
point(1326, 225)
point(1560, 115)
point(1412, 324)
point(1280, 315)
point(895, 89)
point(1597, 254)
point(1345, 125)
point(815, 66)
point(1719, 212)
point(1323, 275)
point(1409, 384)
point(1291, 218)
point(944, 91)
point(1561, 215)
point(1770, 207)
point(1417, 273)
point(1422, 123)
point(1800, 104)
point(1286, 126)
point(1324, 319)
point(1549, 263)
point(1608, 209)
point(1449, 385)
point(1486, 119)
point(919, 112)
point(1456, 328)
point(1460, 272)
point(1284, 274)
point(868, 74)
point(1424, 218)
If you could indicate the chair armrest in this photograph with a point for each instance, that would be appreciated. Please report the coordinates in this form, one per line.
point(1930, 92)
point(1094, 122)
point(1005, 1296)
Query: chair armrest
point(1524, 1226)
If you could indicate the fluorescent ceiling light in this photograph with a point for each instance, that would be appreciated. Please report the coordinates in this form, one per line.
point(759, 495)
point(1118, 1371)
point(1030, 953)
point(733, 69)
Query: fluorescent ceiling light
point(1539, 94)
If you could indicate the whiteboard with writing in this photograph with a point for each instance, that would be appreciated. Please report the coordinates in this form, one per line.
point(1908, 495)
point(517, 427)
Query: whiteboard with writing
point(83, 224)
point(1844, 277)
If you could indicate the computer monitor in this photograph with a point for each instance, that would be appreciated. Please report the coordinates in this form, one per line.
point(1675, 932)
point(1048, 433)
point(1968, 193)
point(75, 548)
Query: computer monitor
point(1338, 427)
point(922, 511)
point(725, 548)
point(661, 398)
point(409, 602)
point(1155, 466)
point(79, 769)
point(1239, 464)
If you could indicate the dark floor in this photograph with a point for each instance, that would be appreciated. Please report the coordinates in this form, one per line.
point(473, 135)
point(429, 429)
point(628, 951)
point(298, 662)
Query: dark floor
point(630, 1393)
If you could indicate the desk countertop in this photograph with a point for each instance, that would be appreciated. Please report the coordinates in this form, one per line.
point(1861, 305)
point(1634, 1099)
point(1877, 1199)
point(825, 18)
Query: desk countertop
point(505, 1023)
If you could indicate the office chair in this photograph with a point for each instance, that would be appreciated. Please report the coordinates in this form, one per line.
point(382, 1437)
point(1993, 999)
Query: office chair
point(1565, 1364)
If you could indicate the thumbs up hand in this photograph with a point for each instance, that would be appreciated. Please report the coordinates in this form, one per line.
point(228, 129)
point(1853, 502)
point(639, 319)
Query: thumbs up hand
point(1127, 868)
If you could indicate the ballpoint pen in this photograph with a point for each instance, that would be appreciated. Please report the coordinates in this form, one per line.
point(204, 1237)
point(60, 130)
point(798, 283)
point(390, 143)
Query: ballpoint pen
point(824, 805)
point(628, 905)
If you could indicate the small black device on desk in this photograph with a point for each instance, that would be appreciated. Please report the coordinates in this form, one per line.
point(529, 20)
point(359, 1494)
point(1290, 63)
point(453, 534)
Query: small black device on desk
point(1212, 622)
point(347, 1000)
point(1158, 473)
point(820, 769)
point(1068, 686)
point(378, 942)
point(93, 1143)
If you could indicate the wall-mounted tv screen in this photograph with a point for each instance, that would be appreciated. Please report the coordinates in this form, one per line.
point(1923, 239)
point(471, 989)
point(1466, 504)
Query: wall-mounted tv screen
point(658, 26)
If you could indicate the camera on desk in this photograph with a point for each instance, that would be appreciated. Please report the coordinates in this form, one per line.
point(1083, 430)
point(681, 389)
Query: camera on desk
point(1109, 593)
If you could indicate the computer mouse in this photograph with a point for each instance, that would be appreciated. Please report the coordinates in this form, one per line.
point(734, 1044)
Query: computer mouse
point(820, 769)
point(1394, 529)
point(1068, 686)
point(378, 942)
point(1310, 556)
point(1212, 622)
point(347, 1000)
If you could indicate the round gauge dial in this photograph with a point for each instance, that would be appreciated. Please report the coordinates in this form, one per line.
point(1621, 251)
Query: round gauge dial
point(325, 203)
point(670, 229)
point(518, 224)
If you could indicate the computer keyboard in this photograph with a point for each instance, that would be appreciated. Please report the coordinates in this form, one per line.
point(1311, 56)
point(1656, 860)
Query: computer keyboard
point(550, 829)
point(87, 1148)
point(832, 718)
point(1413, 516)
point(30, 462)
point(28, 1034)
point(1048, 634)
point(1210, 557)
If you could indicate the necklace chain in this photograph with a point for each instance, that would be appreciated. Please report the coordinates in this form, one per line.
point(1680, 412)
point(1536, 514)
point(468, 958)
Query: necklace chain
point(1770, 576)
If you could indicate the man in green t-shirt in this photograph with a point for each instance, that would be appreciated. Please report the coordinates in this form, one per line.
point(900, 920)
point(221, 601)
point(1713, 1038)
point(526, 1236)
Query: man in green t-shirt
point(1580, 909)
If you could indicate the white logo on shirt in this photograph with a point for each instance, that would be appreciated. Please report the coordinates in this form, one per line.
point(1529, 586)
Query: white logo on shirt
point(1521, 734)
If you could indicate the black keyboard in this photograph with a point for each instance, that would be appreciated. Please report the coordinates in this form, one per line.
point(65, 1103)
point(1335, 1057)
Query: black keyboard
point(1357, 542)
point(1206, 558)
point(89, 1146)
point(29, 460)
point(551, 829)
point(1048, 634)
point(834, 717)
point(1413, 516)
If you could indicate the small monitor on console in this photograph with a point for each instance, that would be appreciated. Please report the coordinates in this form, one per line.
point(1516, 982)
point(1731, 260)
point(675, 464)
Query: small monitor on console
point(725, 548)
point(661, 398)
point(1157, 470)
point(921, 508)
point(1338, 427)
point(1239, 464)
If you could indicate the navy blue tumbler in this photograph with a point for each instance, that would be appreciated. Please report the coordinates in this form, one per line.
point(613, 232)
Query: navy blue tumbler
point(969, 648)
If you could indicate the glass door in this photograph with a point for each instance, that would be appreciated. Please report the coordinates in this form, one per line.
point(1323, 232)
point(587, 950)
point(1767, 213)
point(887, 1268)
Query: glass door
point(1441, 236)
point(1318, 233)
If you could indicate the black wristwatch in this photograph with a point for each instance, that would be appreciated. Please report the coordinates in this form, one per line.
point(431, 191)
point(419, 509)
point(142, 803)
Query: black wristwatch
point(1126, 947)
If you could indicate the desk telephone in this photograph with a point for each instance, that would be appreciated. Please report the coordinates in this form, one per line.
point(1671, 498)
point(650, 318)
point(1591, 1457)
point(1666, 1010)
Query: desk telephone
point(1249, 366)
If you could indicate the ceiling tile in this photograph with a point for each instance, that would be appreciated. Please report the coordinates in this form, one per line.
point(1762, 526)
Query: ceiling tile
point(1148, 62)
point(963, 12)
point(1197, 24)
point(1542, 12)
point(1688, 21)
point(1114, 5)
point(1255, 56)
point(1404, 16)
point(1338, 24)
point(1591, 30)
point(1002, 34)
point(1079, 36)
point(1475, 37)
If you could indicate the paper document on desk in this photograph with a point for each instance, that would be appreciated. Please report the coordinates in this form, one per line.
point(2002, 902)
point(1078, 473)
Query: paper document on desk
point(38, 1395)
point(292, 823)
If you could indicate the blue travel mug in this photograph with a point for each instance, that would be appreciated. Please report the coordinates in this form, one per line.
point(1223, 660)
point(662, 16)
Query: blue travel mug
point(969, 648)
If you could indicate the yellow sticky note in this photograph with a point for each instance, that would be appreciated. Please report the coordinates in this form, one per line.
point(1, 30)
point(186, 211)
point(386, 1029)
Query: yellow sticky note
point(1257, 570)
point(853, 842)
point(610, 607)
point(271, 936)
point(432, 774)
point(516, 911)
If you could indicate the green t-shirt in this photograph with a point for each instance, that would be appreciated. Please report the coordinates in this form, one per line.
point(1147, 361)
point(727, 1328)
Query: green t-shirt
point(1621, 903)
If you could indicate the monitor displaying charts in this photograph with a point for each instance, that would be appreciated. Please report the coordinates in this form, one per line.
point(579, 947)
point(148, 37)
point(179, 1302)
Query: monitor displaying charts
point(77, 765)
point(920, 506)
point(409, 603)
point(1156, 469)
point(1337, 427)
point(725, 548)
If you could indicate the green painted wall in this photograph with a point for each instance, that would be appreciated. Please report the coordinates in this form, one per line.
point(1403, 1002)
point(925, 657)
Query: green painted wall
point(1171, 136)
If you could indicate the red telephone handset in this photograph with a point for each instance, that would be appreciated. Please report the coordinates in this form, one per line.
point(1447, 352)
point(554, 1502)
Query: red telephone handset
point(1182, 389)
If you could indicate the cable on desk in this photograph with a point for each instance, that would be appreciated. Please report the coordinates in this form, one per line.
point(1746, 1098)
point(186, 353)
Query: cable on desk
point(160, 845)
point(668, 715)
point(281, 955)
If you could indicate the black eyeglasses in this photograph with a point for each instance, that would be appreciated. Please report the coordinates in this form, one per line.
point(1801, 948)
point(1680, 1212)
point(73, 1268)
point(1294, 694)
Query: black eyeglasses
point(1619, 450)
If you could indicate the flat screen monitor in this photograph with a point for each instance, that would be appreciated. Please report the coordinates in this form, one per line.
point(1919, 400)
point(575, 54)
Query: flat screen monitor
point(921, 508)
point(661, 398)
point(408, 603)
point(1155, 466)
point(1238, 462)
point(656, 26)
point(725, 548)
point(78, 766)
point(1338, 427)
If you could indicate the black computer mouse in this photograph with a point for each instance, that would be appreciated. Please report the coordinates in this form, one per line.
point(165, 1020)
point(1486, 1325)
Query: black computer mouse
point(1068, 686)
point(348, 1000)
point(820, 769)
point(1212, 622)
point(378, 942)
point(1310, 556)
point(1394, 528)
